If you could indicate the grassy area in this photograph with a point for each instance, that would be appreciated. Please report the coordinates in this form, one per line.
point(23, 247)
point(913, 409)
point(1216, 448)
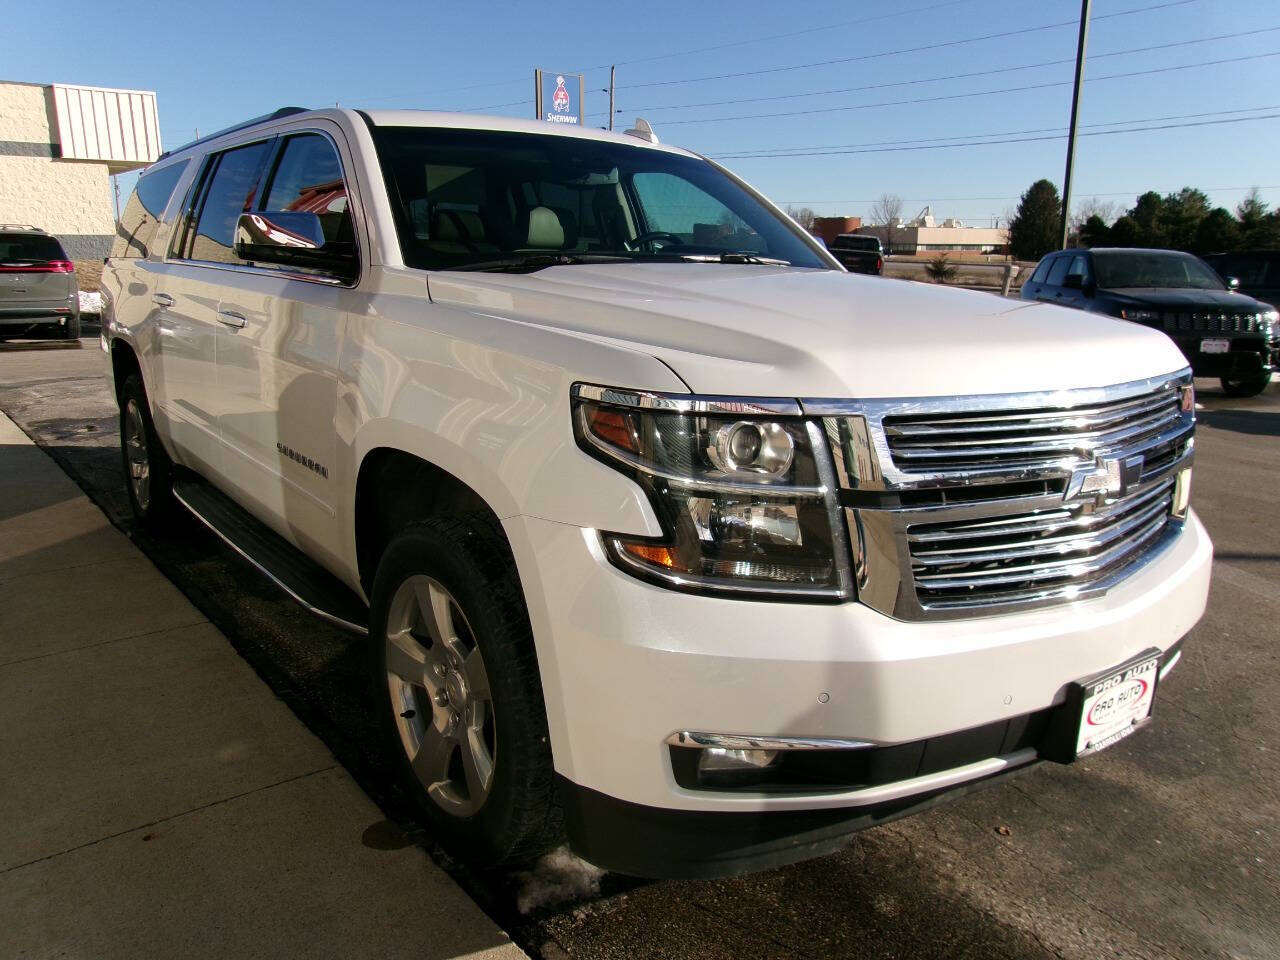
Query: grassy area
point(89, 275)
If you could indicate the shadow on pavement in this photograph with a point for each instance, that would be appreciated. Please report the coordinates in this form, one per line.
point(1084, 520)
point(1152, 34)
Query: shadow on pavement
point(1260, 423)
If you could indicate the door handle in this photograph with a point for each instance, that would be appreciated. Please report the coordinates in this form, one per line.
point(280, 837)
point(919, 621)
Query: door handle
point(231, 318)
point(162, 299)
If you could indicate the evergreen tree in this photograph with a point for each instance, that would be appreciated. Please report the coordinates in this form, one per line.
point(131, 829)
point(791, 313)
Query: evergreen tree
point(1094, 232)
point(1148, 219)
point(1217, 232)
point(1036, 228)
point(1181, 215)
point(1124, 233)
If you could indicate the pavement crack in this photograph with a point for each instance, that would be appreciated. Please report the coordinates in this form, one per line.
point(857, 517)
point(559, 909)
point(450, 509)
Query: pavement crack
point(103, 643)
point(171, 817)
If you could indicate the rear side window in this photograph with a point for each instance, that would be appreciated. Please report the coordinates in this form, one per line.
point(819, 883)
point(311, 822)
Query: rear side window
point(141, 217)
point(308, 179)
point(230, 192)
point(1042, 270)
point(29, 248)
point(1058, 271)
point(1079, 266)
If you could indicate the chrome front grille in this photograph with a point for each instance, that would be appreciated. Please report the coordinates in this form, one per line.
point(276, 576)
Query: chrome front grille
point(1200, 321)
point(1026, 439)
point(959, 507)
point(975, 563)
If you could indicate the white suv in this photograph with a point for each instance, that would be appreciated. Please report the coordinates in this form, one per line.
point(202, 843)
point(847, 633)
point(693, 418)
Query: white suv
point(668, 535)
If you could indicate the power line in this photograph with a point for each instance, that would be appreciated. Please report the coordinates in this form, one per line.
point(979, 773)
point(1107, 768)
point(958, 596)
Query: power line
point(988, 143)
point(682, 53)
point(773, 37)
point(953, 76)
point(976, 93)
point(893, 53)
point(525, 79)
point(834, 147)
point(1091, 193)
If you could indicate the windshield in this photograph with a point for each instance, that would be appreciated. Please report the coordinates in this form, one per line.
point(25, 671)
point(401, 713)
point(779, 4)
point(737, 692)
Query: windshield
point(29, 248)
point(479, 197)
point(1153, 268)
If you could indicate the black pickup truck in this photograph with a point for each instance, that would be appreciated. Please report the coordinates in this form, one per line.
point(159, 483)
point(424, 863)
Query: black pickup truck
point(859, 253)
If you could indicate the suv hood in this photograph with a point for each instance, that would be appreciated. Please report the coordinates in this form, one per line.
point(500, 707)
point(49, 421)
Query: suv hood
point(1181, 298)
point(773, 331)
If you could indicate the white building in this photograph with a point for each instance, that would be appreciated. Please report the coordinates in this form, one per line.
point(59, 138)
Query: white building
point(59, 146)
point(925, 235)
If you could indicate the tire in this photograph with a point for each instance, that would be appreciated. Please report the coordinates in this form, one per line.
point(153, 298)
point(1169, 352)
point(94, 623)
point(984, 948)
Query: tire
point(148, 472)
point(1249, 386)
point(72, 330)
point(439, 721)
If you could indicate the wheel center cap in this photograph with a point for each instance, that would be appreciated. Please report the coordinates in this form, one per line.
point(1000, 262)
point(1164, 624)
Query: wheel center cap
point(456, 687)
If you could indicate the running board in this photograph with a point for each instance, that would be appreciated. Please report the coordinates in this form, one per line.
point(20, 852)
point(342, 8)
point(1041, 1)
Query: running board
point(284, 564)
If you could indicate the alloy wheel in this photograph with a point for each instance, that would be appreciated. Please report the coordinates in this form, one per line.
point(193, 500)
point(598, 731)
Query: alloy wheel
point(440, 695)
point(139, 459)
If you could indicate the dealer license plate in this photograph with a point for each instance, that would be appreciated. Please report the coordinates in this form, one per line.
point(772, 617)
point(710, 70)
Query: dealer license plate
point(1215, 346)
point(1117, 704)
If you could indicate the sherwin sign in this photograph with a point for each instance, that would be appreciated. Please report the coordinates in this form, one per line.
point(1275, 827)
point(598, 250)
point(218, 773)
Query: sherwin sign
point(558, 97)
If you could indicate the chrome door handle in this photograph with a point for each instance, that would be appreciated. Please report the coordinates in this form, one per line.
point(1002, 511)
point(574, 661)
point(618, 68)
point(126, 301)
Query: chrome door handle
point(231, 318)
point(162, 299)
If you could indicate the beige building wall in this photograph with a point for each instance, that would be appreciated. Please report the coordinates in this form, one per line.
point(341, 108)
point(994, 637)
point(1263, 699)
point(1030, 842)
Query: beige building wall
point(71, 199)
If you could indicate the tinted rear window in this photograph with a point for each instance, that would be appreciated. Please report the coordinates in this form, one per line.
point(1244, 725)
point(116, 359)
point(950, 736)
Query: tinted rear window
point(21, 247)
point(870, 244)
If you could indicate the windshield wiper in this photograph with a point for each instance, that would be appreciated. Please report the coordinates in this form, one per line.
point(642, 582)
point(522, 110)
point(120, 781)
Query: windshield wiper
point(730, 256)
point(538, 261)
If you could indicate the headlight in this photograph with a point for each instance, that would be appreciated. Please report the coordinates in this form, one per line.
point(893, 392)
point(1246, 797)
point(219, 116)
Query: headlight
point(1271, 324)
point(1139, 316)
point(744, 491)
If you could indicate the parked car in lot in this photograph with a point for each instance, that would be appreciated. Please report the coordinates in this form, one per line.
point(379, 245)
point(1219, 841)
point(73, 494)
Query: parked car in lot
point(667, 534)
point(1256, 272)
point(38, 289)
point(858, 253)
point(1222, 333)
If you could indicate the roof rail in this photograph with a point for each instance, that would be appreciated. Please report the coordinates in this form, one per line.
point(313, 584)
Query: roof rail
point(20, 226)
point(274, 115)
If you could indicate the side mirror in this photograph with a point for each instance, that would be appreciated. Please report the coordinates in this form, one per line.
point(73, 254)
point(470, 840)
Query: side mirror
point(293, 239)
point(1233, 283)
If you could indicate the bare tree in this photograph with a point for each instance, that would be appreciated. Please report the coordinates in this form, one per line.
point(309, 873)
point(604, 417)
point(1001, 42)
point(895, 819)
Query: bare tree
point(886, 212)
point(803, 216)
point(1104, 210)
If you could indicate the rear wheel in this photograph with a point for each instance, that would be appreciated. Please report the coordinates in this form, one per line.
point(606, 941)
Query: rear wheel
point(456, 686)
point(147, 469)
point(1246, 386)
point(72, 329)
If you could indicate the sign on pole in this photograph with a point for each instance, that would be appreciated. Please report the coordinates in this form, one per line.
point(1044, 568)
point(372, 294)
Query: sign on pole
point(553, 100)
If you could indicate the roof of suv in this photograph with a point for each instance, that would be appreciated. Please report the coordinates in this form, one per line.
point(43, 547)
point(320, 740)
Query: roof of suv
point(430, 118)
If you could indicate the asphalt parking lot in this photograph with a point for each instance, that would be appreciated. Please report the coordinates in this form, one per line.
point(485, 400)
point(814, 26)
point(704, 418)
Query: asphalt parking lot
point(1164, 846)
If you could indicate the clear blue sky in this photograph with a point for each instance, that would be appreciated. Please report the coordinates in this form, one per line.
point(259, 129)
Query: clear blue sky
point(234, 60)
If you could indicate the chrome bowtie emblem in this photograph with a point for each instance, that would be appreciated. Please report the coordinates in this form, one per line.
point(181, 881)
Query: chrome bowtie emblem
point(1105, 479)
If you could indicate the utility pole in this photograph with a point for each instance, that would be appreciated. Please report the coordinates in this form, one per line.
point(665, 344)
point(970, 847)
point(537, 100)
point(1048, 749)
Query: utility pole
point(115, 184)
point(613, 72)
point(1075, 113)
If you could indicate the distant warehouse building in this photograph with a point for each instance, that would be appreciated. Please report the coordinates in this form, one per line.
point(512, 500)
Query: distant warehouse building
point(59, 146)
point(925, 235)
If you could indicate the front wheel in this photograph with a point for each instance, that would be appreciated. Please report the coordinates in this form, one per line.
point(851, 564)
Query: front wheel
point(1246, 386)
point(147, 468)
point(457, 690)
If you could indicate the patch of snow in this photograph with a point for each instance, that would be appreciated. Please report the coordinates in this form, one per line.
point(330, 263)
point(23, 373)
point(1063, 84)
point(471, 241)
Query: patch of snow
point(557, 879)
point(90, 302)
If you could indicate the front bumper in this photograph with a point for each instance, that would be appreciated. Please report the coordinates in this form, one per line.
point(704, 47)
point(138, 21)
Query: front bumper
point(625, 664)
point(1248, 356)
